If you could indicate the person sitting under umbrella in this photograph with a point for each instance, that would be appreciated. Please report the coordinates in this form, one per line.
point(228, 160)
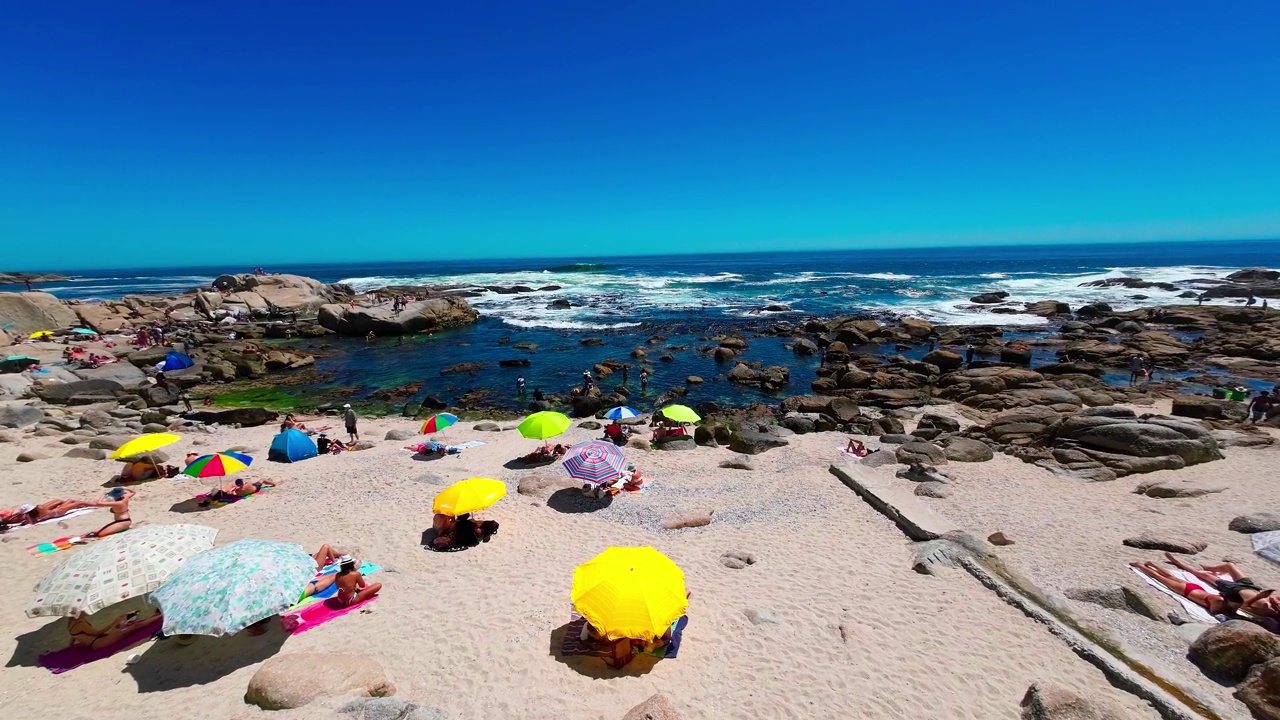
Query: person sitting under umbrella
point(145, 470)
point(461, 532)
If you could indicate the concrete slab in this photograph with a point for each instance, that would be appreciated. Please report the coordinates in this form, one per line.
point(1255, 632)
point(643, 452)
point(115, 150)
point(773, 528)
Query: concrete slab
point(899, 505)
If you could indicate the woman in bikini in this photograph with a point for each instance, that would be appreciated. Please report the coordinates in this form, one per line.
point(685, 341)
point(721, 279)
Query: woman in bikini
point(352, 588)
point(32, 514)
point(84, 634)
point(1218, 596)
point(117, 501)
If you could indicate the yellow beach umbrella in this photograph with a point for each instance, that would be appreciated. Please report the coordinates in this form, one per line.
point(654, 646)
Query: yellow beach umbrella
point(545, 424)
point(144, 444)
point(39, 334)
point(630, 592)
point(680, 413)
point(468, 496)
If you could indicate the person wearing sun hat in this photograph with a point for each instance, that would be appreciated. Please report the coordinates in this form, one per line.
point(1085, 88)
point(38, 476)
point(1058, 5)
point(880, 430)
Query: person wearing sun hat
point(349, 419)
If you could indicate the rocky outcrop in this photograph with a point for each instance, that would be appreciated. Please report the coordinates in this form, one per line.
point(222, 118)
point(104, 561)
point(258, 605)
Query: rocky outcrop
point(1003, 388)
point(15, 415)
point(1049, 701)
point(428, 315)
point(769, 379)
point(257, 294)
point(1260, 691)
point(244, 417)
point(23, 313)
point(749, 441)
point(1230, 649)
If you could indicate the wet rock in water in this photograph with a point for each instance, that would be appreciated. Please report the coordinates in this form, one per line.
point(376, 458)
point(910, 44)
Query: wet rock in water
point(990, 298)
point(693, 380)
point(1255, 523)
point(920, 452)
point(962, 449)
point(686, 520)
point(296, 679)
point(933, 489)
point(738, 462)
point(515, 362)
point(1230, 649)
point(1260, 691)
point(1050, 701)
point(999, 539)
point(737, 559)
point(1177, 489)
point(657, 707)
point(1117, 597)
point(1048, 308)
point(400, 435)
point(31, 456)
point(1166, 542)
point(805, 346)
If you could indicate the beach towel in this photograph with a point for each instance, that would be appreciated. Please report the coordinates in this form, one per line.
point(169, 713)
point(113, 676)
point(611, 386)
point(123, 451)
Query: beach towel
point(572, 644)
point(365, 569)
point(469, 444)
point(1197, 613)
point(232, 499)
point(60, 518)
point(318, 613)
point(1267, 545)
point(70, 658)
point(61, 544)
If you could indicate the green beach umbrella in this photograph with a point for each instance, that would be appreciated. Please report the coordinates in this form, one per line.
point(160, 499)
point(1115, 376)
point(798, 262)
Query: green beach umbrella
point(680, 413)
point(227, 589)
point(545, 424)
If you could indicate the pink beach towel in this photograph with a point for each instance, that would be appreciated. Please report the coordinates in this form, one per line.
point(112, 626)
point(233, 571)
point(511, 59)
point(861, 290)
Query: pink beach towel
point(70, 658)
point(320, 613)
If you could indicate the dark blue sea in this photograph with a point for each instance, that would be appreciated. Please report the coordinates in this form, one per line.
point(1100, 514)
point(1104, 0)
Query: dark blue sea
point(683, 299)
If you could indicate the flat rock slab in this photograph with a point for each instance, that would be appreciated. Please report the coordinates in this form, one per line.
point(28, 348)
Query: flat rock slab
point(1177, 489)
point(902, 507)
point(1166, 542)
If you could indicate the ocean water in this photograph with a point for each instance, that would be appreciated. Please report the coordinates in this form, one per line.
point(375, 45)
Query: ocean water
point(683, 299)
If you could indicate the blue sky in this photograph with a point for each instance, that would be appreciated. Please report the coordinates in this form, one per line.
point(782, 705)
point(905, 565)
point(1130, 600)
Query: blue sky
point(149, 133)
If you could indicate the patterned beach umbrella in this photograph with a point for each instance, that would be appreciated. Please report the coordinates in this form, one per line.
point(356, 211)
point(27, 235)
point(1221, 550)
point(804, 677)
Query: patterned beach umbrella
point(622, 412)
point(544, 424)
point(227, 589)
point(630, 592)
point(468, 496)
point(117, 568)
point(594, 462)
point(436, 423)
point(217, 465)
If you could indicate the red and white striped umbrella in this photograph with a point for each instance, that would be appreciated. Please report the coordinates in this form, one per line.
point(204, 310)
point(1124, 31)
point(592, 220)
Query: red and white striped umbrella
point(595, 462)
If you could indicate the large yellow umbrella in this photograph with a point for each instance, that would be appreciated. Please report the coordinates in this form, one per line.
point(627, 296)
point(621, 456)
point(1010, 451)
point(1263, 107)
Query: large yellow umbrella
point(680, 413)
point(39, 334)
point(545, 424)
point(468, 496)
point(630, 592)
point(144, 444)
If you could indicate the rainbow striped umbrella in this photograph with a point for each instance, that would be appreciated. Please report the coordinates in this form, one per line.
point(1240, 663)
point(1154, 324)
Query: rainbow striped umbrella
point(594, 462)
point(217, 465)
point(436, 423)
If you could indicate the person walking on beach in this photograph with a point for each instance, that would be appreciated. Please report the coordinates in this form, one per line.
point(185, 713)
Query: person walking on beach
point(349, 419)
point(1260, 407)
point(520, 385)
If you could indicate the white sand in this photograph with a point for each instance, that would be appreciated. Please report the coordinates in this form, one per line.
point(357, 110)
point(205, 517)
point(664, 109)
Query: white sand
point(857, 632)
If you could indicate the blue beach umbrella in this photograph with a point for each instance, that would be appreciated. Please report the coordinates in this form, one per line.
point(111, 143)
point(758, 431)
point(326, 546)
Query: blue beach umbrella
point(622, 412)
point(84, 331)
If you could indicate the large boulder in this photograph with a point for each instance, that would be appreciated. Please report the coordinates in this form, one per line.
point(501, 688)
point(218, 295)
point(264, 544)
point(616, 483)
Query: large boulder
point(962, 449)
point(1230, 649)
point(1253, 523)
point(60, 393)
point(124, 373)
point(1049, 701)
point(245, 417)
point(1149, 440)
point(946, 360)
point(1166, 542)
point(23, 313)
point(1260, 691)
point(294, 680)
point(920, 452)
point(1203, 408)
point(16, 415)
point(754, 442)
point(428, 315)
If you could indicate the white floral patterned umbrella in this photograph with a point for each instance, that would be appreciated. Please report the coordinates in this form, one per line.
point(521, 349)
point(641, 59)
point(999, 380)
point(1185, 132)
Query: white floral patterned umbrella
point(117, 568)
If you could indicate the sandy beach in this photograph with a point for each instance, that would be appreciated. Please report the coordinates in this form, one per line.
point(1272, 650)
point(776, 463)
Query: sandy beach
point(830, 621)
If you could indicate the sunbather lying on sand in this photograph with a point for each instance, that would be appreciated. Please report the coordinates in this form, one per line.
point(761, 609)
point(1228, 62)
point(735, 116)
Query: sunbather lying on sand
point(32, 514)
point(1237, 593)
point(86, 635)
point(235, 490)
point(145, 470)
point(546, 452)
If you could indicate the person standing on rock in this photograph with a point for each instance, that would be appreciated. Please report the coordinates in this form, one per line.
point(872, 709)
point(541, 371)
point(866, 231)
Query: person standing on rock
point(968, 355)
point(349, 419)
point(1136, 369)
